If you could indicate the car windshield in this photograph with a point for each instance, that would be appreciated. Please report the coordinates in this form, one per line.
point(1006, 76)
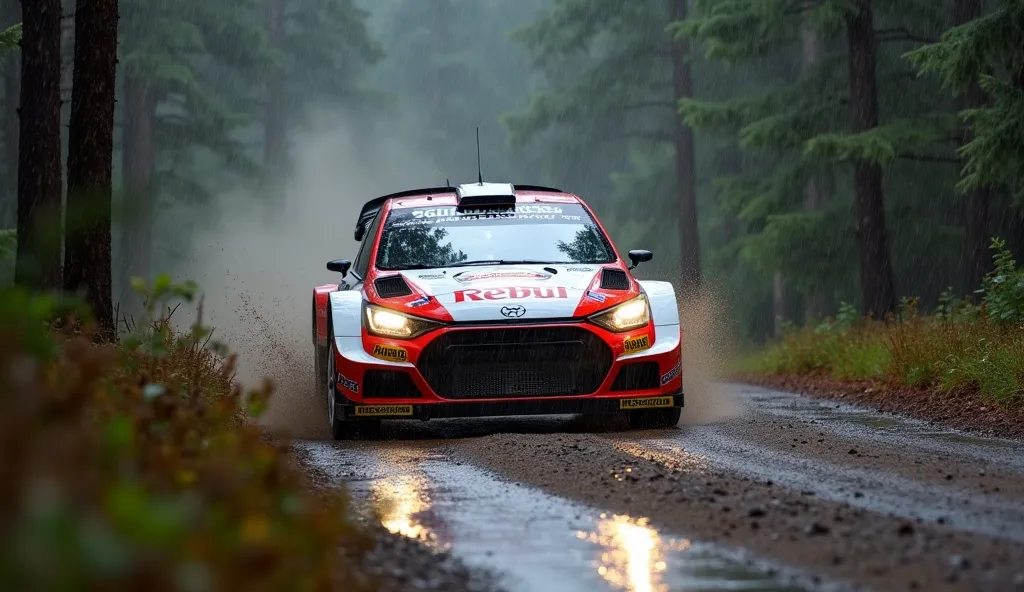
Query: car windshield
point(417, 238)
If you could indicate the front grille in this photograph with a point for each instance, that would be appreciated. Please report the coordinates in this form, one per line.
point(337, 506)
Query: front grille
point(515, 362)
point(392, 286)
point(614, 279)
point(389, 384)
point(637, 376)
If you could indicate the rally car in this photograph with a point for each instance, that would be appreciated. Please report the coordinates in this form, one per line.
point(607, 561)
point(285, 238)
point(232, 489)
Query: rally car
point(492, 299)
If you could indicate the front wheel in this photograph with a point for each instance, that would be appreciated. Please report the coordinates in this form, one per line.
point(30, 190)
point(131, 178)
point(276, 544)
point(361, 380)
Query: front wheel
point(652, 419)
point(340, 428)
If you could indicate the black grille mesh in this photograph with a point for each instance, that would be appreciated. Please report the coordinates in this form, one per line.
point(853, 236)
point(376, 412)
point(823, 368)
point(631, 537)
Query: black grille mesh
point(515, 362)
point(614, 279)
point(389, 384)
point(392, 286)
point(637, 376)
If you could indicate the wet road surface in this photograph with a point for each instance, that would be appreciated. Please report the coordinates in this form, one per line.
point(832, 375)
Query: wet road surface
point(791, 494)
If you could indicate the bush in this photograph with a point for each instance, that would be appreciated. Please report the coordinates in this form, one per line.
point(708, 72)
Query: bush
point(135, 466)
point(961, 347)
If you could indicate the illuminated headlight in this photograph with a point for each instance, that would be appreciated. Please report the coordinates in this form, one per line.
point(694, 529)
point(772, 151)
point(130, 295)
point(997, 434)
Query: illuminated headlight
point(627, 316)
point(384, 322)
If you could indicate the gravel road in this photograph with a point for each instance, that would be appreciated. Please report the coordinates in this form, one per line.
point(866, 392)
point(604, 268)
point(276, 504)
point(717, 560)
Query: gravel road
point(791, 493)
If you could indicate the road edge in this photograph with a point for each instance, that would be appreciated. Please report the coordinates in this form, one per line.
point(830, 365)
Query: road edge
point(963, 411)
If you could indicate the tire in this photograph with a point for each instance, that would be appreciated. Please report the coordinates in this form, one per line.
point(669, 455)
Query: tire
point(652, 419)
point(341, 429)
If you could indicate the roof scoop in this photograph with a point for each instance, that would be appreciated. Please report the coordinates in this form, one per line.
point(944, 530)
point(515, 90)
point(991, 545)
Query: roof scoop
point(486, 195)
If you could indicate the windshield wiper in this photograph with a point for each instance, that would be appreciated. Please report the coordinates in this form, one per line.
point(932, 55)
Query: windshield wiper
point(500, 262)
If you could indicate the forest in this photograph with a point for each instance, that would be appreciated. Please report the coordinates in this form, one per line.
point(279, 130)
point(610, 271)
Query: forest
point(845, 176)
point(792, 155)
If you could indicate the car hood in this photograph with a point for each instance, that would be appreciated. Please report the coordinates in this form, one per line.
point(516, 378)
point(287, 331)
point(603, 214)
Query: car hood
point(498, 292)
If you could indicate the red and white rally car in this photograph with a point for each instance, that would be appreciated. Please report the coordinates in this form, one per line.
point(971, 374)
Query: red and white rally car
point(492, 299)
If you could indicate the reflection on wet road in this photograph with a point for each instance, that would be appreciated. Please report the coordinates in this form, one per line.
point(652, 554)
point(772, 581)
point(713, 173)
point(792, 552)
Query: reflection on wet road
point(400, 500)
point(634, 553)
point(915, 491)
point(534, 540)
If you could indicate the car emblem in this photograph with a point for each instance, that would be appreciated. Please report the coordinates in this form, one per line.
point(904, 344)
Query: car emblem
point(513, 312)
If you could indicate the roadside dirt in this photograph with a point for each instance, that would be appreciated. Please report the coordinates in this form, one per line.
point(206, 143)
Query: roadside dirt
point(688, 494)
point(964, 411)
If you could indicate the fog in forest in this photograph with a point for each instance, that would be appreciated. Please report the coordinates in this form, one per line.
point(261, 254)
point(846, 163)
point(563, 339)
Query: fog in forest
point(732, 154)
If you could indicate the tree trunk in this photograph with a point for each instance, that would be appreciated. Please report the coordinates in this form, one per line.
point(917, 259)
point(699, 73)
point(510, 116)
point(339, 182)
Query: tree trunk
point(138, 165)
point(275, 139)
point(818, 188)
point(682, 85)
point(10, 71)
point(876, 276)
point(38, 262)
point(975, 257)
point(90, 154)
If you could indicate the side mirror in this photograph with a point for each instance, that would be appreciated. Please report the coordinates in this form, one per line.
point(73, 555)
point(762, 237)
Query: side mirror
point(339, 265)
point(639, 256)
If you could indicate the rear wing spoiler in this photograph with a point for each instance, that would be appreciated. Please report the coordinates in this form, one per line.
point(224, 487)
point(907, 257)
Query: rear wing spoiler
point(372, 207)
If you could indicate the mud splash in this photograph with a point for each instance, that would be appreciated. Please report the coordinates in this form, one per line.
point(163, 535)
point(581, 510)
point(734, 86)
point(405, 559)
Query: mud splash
point(706, 347)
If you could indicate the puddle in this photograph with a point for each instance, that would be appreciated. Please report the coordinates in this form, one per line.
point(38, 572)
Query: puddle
point(537, 541)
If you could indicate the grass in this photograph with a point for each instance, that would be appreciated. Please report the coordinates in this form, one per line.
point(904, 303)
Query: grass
point(923, 352)
point(960, 347)
point(137, 465)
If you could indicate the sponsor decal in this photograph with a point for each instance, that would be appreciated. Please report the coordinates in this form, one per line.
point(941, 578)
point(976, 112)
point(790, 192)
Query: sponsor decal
point(391, 353)
point(378, 410)
point(475, 276)
point(635, 344)
point(418, 302)
point(474, 295)
point(513, 312)
point(346, 383)
point(645, 403)
point(579, 269)
point(449, 214)
point(671, 374)
point(452, 211)
point(595, 296)
point(431, 276)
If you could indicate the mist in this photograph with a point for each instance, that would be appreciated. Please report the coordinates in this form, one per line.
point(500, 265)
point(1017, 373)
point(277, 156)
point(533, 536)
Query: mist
point(257, 267)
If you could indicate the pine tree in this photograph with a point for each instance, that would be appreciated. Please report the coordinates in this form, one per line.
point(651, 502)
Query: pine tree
point(10, 71)
point(38, 262)
point(87, 258)
point(981, 60)
point(611, 107)
point(794, 129)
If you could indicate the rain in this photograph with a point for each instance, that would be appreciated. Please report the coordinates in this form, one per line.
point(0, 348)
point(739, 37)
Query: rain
point(512, 295)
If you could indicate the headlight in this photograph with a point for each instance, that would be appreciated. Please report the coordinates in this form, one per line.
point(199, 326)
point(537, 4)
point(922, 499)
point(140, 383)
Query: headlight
point(384, 322)
point(627, 316)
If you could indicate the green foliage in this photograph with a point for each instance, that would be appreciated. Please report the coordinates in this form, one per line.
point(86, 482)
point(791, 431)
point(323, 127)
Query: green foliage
point(118, 474)
point(1004, 289)
point(961, 347)
point(789, 195)
point(9, 40)
point(987, 51)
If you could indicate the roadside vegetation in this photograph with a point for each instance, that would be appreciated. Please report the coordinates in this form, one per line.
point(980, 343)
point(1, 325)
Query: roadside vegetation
point(137, 465)
point(963, 346)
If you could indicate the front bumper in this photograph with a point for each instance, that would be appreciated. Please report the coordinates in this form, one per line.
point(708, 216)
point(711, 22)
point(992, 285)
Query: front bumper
point(569, 368)
point(499, 408)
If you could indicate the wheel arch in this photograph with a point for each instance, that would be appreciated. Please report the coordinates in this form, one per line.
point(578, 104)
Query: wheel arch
point(662, 296)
